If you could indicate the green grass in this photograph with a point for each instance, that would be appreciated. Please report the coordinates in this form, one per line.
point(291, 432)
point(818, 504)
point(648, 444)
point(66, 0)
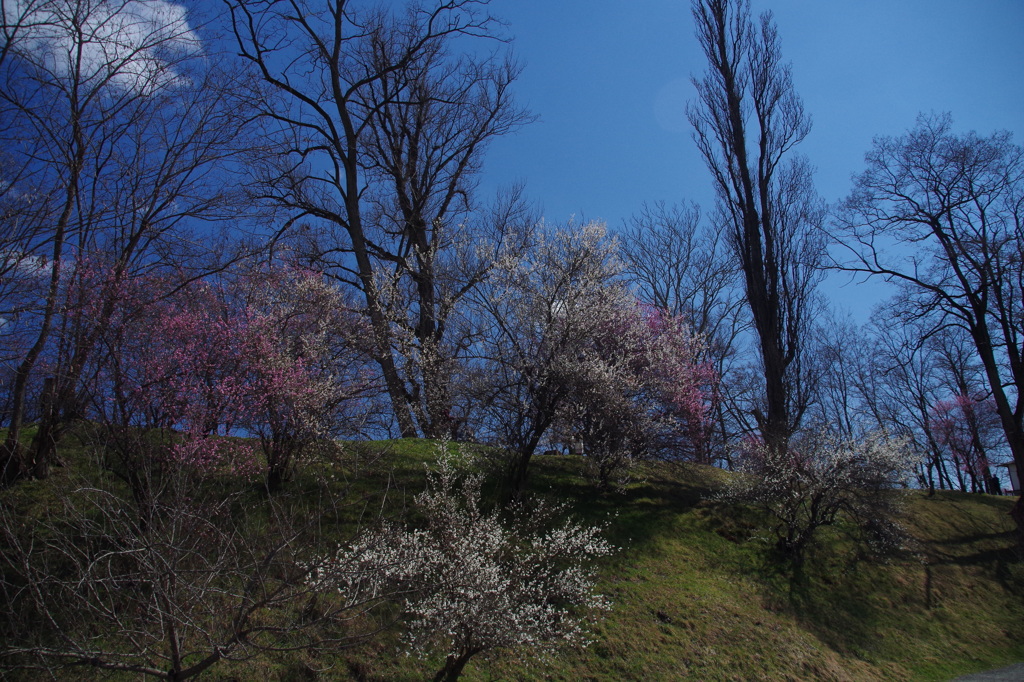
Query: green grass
point(696, 593)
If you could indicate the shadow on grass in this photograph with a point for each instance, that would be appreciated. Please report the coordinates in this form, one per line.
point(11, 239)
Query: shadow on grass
point(973, 531)
point(848, 599)
point(637, 512)
point(841, 614)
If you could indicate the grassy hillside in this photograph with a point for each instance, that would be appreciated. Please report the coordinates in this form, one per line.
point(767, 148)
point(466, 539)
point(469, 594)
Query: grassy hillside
point(698, 595)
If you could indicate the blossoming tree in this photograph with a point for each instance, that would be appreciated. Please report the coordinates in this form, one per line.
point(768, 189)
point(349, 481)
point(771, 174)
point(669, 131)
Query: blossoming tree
point(569, 351)
point(820, 480)
point(474, 580)
point(270, 354)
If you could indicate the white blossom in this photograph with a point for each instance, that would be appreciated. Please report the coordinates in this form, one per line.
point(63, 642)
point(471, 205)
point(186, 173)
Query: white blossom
point(821, 479)
point(471, 580)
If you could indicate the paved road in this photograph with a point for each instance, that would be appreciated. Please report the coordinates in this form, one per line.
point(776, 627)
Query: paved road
point(1015, 673)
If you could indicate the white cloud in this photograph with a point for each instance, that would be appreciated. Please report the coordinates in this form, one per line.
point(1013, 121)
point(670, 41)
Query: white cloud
point(12, 262)
point(127, 43)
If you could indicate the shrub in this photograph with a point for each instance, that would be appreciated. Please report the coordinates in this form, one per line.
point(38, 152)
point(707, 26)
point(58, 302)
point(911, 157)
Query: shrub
point(820, 480)
point(476, 580)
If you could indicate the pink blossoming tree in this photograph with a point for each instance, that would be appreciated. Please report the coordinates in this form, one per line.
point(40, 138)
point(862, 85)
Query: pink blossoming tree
point(639, 391)
point(265, 354)
point(967, 428)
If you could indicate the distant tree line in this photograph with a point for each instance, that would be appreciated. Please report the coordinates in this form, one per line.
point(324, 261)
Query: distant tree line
point(936, 213)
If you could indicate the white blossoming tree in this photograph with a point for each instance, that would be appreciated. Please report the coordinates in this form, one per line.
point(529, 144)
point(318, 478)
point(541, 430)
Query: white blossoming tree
point(820, 480)
point(569, 354)
point(474, 580)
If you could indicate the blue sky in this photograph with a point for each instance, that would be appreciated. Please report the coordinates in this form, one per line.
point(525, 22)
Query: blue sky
point(609, 80)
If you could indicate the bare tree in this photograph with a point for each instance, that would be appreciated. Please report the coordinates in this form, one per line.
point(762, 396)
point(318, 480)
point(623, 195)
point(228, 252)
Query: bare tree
point(747, 121)
point(382, 129)
point(119, 134)
point(680, 264)
point(898, 384)
point(942, 215)
point(428, 132)
point(840, 356)
point(90, 585)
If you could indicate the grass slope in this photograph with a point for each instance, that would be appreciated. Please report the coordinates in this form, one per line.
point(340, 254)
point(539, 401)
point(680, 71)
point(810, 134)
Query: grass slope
point(698, 595)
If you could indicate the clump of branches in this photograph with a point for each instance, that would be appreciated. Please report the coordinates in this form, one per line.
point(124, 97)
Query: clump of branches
point(169, 592)
point(822, 480)
point(473, 580)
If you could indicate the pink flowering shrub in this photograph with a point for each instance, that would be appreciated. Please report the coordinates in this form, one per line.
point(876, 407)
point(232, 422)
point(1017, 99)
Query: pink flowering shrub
point(311, 371)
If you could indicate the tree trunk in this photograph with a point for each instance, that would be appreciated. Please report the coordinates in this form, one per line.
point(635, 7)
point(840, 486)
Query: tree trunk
point(453, 666)
point(378, 320)
point(1009, 418)
point(12, 465)
point(1017, 514)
